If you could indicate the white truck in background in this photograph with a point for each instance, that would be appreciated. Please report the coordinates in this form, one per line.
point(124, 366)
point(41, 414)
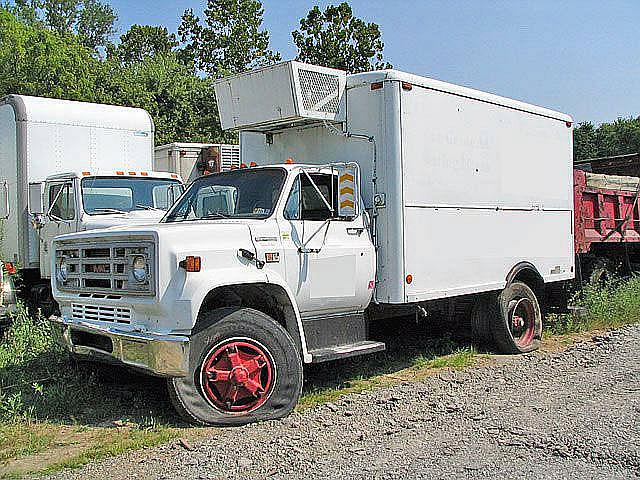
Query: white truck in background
point(192, 160)
point(66, 167)
point(375, 194)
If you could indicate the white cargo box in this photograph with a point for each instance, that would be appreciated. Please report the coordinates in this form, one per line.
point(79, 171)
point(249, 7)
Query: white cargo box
point(281, 96)
point(184, 158)
point(469, 184)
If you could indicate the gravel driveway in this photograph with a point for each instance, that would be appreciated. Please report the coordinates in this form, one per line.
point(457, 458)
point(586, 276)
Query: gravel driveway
point(574, 414)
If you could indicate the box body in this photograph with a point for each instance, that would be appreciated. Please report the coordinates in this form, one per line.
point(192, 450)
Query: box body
point(473, 184)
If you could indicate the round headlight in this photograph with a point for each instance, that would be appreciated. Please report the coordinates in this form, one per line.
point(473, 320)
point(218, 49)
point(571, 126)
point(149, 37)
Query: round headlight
point(62, 273)
point(139, 269)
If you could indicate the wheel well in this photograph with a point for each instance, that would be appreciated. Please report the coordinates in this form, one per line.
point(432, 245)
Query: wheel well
point(267, 298)
point(529, 275)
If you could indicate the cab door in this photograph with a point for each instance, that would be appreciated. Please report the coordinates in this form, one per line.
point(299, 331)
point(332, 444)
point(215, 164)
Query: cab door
point(330, 262)
point(61, 218)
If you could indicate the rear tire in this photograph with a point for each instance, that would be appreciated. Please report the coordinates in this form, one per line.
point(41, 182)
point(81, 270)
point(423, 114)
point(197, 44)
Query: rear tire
point(511, 321)
point(243, 367)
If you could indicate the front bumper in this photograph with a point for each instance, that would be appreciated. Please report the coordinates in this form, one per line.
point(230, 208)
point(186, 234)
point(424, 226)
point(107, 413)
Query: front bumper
point(161, 355)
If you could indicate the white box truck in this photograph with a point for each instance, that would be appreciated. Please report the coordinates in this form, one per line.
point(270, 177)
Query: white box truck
point(192, 160)
point(375, 194)
point(65, 167)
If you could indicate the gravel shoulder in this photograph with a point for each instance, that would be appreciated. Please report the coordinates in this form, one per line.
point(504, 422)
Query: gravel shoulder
point(570, 414)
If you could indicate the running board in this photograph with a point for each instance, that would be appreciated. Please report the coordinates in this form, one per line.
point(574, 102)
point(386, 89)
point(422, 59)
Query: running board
point(345, 351)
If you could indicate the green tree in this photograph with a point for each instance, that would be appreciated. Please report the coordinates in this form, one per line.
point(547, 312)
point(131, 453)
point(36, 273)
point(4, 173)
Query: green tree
point(615, 138)
point(181, 103)
point(91, 20)
point(230, 39)
point(335, 38)
point(37, 61)
point(142, 41)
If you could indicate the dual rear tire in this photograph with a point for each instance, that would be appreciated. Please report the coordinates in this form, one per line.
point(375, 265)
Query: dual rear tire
point(510, 321)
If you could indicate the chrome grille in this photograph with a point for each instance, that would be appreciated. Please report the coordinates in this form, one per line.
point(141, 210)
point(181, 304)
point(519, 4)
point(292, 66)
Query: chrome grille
point(101, 313)
point(105, 268)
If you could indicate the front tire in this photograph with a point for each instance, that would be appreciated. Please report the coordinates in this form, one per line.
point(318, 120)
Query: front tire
point(243, 367)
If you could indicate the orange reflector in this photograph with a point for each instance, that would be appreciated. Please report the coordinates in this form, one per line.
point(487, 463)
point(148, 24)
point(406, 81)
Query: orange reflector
point(409, 278)
point(132, 173)
point(10, 268)
point(569, 124)
point(376, 85)
point(119, 173)
point(173, 175)
point(289, 161)
point(253, 164)
point(191, 264)
point(144, 174)
point(243, 165)
point(406, 86)
point(84, 174)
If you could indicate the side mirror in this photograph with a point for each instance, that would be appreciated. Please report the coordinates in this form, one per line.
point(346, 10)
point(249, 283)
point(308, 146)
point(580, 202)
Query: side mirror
point(36, 206)
point(348, 191)
point(4, 200)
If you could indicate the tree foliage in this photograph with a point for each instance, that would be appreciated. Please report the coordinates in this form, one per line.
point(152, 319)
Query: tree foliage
point(229, 39)
point(143, 41)
point(91, 20)
point(335, 38)
point(615, 138)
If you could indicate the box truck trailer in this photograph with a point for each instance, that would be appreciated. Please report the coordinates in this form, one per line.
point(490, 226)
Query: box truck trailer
point(374, 194)
point(192, 160)
point(65, 167)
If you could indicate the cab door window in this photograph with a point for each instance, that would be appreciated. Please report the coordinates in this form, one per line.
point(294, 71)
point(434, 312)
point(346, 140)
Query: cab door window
point(305, 202)
point(62, 202)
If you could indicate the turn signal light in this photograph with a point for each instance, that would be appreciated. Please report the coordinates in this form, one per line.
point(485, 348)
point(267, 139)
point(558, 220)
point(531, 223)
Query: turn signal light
point(253, 164)
point(191, 264)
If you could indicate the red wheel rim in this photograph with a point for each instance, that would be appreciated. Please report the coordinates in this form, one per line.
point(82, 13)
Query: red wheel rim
point(522, 321)
point(237, 375)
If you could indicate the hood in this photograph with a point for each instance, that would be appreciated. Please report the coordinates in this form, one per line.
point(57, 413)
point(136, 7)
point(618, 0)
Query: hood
point(135, 217)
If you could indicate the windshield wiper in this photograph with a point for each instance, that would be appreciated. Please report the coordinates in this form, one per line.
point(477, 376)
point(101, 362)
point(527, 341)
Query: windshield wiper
point(148, 207)
point(108, 210)
point(214, 215)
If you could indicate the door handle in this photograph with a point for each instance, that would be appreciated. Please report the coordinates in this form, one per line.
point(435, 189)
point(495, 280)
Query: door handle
point(355, 230)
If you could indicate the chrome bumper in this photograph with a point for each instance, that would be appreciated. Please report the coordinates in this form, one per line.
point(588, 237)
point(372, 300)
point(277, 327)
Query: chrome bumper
point(162, 355)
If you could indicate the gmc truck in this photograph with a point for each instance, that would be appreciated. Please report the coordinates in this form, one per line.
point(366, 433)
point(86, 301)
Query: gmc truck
point(366, 196)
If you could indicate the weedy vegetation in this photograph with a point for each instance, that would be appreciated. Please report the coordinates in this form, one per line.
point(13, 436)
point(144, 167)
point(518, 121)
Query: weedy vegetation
point(56, 413)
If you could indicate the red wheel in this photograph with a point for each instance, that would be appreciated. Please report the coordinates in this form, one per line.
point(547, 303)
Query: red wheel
point(522, 321)
point(237, 375)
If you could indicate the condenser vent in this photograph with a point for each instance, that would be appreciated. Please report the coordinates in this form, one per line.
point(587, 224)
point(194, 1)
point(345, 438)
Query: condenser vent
point(320, 91)
point(281, 96)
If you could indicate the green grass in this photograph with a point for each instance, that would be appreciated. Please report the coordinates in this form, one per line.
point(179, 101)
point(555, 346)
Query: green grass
point(600, 307)
point(47, 401)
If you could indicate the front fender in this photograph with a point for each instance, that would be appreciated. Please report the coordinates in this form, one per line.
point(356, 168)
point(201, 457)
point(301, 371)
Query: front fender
point(198, 285)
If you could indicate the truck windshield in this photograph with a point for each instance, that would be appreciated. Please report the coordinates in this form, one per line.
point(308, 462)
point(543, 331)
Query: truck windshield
point(245, 193)
point(104, 195)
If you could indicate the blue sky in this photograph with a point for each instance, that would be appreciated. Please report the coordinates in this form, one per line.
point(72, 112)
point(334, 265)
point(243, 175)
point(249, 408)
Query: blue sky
point(578, 56)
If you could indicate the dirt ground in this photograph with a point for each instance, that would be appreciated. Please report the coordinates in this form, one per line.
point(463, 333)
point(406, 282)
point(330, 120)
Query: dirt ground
point(571, 413)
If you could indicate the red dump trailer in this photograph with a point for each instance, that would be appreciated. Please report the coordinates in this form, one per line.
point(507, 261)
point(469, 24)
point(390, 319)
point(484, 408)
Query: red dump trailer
point(606, 224)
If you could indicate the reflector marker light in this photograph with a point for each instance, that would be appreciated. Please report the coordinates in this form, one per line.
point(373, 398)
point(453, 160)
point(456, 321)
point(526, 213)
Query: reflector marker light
point(406, 86)
point(10, 268)
point(289, 161)
point(144, 174)
point(119, 173)
point(243, 165)
point(253, 164)
point(173, 175)
point(376, 85)
point(132, 173)
point(191, 264)
point(85, 174)
point(409, 278)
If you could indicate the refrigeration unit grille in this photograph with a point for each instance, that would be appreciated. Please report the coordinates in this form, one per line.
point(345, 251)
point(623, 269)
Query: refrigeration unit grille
point(320, 91)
